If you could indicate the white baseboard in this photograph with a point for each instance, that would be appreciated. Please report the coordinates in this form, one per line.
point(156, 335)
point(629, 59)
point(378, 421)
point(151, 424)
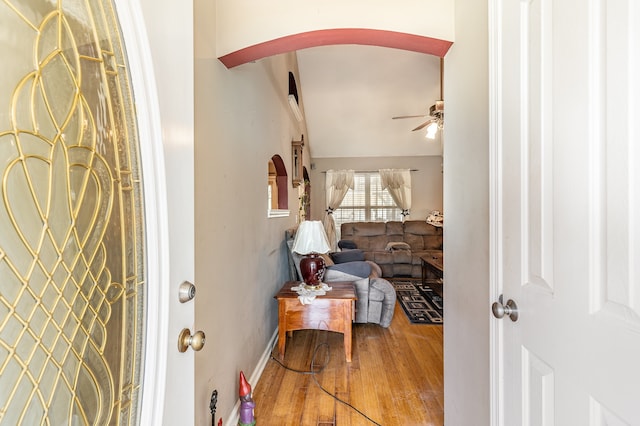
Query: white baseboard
point(234, 417)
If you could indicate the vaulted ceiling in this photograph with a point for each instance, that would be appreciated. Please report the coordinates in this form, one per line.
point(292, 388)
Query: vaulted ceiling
point(350, 93)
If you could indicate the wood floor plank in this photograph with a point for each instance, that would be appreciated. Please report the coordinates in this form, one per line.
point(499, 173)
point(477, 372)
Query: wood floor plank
point(395, 378)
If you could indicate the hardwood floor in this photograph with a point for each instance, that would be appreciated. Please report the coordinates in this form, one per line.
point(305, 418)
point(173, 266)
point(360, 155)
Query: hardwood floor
point(395, 378)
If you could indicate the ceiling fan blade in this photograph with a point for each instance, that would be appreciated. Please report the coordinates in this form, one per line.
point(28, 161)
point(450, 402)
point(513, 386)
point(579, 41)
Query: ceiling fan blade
point(408, 116)
point(423, 125)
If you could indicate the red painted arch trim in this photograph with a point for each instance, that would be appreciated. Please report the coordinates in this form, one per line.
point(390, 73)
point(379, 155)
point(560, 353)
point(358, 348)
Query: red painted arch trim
point(370, 37)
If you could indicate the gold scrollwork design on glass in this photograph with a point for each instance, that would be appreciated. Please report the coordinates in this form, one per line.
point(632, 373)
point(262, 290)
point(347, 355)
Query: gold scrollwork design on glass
point(71, 214)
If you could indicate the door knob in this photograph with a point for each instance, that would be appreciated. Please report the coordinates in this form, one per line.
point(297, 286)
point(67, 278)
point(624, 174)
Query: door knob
point(510, 309)
point(185, 339)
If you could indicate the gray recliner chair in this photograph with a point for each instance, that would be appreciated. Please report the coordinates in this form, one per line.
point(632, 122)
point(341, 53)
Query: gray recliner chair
point(376, 296)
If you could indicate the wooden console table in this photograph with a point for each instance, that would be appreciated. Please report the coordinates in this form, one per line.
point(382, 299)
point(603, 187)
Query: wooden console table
point(334, 311)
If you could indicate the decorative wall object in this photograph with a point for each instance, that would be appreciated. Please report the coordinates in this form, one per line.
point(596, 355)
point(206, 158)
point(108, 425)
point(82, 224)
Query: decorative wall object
point(296, 161)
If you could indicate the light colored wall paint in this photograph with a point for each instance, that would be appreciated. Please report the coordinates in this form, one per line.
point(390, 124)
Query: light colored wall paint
point(242, 119)
point(426, 182)
point(466, 232)
point(243, 23)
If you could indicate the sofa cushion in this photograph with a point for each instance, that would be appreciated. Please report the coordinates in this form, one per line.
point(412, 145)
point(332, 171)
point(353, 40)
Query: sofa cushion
point(369, 229)
point(419, 227)
point(347, 256)
point(402, 270)
point(422, 242)
point(378, 242)
point(383, 257)
point(395, 228)
point(422, 236)
point(401, 256)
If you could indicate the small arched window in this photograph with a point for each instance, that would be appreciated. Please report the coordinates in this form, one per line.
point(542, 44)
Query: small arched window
point(277, 191)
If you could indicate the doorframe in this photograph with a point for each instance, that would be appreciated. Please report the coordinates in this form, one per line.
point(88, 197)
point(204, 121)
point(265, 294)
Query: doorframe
point(496, 343)
point(138, 52)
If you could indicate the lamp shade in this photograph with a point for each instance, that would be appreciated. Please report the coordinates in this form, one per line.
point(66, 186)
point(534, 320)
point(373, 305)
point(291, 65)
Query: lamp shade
point(310, 238)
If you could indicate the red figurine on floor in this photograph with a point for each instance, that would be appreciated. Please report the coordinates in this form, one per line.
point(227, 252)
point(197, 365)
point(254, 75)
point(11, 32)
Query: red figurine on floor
point(246, 403)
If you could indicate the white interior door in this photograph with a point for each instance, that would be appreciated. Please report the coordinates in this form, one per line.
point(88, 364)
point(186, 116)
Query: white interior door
point(567, 211)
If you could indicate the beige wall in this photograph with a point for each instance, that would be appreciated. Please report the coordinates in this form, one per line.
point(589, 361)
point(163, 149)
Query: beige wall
point(426, 181)
point(466, 229)
point(242, 119)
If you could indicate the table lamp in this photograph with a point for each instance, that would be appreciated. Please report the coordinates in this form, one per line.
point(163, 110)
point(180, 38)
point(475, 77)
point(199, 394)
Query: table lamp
point(311, 240)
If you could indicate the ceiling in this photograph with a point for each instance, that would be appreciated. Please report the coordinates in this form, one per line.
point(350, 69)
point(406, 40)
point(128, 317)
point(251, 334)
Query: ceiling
point(349, 94)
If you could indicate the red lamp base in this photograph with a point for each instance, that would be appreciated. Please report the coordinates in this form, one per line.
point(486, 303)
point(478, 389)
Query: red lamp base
point(312, 268)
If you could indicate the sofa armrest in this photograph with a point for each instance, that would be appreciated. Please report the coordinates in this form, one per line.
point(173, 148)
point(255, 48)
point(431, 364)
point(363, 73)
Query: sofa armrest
point(376, 271)
point(362, 304)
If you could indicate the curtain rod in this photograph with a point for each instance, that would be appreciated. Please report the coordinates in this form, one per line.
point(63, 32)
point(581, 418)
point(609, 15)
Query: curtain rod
point(372, 171)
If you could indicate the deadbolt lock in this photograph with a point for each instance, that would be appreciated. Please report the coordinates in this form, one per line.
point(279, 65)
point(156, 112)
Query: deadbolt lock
point(186, 291)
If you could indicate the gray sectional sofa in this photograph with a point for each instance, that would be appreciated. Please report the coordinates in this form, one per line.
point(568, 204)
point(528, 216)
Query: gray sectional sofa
point(394, 246)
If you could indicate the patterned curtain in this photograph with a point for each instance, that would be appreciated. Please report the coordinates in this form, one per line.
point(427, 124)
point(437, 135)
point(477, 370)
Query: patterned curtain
point(398, 183)
point(337, 184)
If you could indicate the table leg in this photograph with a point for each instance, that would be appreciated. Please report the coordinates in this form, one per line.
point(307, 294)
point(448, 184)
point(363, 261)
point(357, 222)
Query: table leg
point(347, 330)
point(282, 327)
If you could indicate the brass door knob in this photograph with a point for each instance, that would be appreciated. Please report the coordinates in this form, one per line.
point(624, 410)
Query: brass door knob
point(185, 339)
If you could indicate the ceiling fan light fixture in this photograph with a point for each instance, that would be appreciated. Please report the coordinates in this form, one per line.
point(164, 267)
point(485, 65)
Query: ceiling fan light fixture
point(432, 129)
point(435, 119)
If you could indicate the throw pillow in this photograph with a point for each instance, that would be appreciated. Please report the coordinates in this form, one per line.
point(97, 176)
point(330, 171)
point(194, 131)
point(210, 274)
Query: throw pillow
point(357, 268)
point(347, 244)
point(347, 256)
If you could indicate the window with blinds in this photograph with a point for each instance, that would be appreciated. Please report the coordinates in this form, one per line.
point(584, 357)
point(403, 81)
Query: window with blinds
point(366, 202)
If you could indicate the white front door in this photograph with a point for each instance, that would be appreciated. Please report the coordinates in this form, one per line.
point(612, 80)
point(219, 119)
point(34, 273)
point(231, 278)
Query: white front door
point(89, 315)
point(566, 211)
point(159, 39)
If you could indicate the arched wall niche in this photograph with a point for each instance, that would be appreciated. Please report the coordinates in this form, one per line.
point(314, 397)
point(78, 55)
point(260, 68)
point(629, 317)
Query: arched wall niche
point(293, 87)
point(281, 181)
point(361, 36)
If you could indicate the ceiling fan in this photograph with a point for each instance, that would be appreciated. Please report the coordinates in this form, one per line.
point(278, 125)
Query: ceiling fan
point(436, 112)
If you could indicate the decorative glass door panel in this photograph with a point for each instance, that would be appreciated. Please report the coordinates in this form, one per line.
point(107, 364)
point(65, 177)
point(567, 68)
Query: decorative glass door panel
point(72, 256)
